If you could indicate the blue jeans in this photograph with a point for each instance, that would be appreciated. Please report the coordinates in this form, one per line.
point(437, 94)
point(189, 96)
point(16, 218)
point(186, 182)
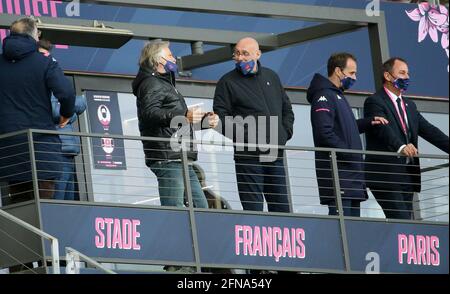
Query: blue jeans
point(171, 184)
point(65, 185)
point(258, 180)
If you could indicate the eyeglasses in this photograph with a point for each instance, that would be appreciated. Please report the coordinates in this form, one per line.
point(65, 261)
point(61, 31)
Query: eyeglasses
point(243, 53)
point(168, 59)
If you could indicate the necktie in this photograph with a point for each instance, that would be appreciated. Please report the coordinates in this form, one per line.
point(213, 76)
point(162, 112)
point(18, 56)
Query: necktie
point(403, 119)
point(404, 125)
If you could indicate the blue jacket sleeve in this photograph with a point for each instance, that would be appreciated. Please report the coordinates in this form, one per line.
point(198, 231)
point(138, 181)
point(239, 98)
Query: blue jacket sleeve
point(80, 104)
point(80, 107)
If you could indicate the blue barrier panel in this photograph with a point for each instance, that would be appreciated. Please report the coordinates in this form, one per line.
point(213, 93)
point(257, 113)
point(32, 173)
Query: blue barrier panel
point(119, 232)
point(229, 239)
point(398, 248)
point(269, 241)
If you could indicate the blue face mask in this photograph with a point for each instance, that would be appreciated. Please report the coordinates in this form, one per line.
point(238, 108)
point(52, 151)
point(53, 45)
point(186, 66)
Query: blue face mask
point(170, 67)
point(347, 83)
point(401, 84)
point(246, 67)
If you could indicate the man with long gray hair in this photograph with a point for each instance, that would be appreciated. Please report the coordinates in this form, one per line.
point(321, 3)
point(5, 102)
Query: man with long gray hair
point(163, 113)
point(161, 108)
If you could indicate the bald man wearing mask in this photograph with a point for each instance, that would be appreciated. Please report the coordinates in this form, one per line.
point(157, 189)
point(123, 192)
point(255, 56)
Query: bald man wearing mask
point(253, 93)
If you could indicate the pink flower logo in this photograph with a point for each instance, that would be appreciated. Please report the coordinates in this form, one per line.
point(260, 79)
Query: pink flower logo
point(432, 20)
point(444, 27)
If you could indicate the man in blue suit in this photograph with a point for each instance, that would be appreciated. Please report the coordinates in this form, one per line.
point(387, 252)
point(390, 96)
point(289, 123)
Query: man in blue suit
point(334, 126)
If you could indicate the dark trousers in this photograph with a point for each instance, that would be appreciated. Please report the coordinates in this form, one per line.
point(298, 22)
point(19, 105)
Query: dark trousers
point(258, 180)
point(351, 208)
point(397, 204)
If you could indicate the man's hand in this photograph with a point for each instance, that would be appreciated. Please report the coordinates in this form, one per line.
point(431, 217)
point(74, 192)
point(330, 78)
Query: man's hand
point(63, 121)
point(410, 150)
point(195, 115)
point(213, 120)
point(378, 120)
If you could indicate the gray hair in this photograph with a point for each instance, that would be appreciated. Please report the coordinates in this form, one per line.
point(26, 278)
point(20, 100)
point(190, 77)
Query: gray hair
point(26, 25)
point(151, 54)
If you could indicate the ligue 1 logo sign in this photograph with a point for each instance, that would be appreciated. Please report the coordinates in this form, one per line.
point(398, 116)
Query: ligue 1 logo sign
point(104, 116)
point(108, 145)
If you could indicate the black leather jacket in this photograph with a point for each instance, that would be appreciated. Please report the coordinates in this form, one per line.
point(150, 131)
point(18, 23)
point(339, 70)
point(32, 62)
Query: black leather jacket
point(158, 103)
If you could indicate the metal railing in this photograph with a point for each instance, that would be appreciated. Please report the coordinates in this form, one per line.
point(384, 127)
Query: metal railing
point(73, 258)
point(138, 184)
point(53, 240)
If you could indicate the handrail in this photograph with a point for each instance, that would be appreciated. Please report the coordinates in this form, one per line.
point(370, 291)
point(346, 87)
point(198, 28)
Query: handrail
point(53, 240)
point(432, 168)
point(230, 144)
point(13, 134)
point(72, 257)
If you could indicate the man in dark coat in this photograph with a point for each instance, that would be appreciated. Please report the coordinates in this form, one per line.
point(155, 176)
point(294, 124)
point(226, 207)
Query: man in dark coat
point(250, 100)
point(334, 126)
point(27, 79)
point(162, 112)
point(394, 179)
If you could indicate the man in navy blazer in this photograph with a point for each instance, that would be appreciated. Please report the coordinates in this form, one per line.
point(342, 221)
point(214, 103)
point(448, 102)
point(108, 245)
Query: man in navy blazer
point(394, 179)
